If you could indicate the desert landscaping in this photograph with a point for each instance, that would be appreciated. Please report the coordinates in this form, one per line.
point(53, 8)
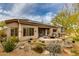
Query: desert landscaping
point(58, 36)
point(41, 48)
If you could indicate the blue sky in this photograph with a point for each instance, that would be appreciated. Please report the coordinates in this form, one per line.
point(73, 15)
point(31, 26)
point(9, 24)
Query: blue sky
point(33, 11)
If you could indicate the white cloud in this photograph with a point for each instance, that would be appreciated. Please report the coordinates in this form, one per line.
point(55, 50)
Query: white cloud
point(1, 10)
point(45, 19)
point(7, 12)
point(4, 11)
point(16, 11)
point(4, 17)
point(17, 8)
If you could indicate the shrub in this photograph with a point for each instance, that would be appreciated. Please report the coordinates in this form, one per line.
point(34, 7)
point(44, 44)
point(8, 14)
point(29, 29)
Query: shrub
point(38, 49)
point(54, 48)
point(14, 39)
point(73, 51)
point(2, 39)
point(38, 46)
point(2, 36)
point(76, 38)
point(8, 45)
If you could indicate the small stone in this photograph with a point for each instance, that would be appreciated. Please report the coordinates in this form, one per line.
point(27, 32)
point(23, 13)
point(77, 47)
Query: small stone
point(46, 52)
point(22, 47)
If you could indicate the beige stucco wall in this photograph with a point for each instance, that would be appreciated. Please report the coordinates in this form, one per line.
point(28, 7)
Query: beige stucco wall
point(10, 25)
point(20, 29)
point(20, 33)
point(51, 31)
point(27, 37)
point(58, 31)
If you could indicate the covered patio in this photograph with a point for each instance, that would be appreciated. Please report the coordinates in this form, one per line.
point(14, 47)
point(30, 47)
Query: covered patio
point(43, 32)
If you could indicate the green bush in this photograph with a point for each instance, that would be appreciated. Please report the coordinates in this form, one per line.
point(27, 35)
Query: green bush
point(54, 48)
point(38, 49)
point(3, 36)
point(2, 39)
point(14, 39)
point(74, 51)
point(76, 38)
point(8, 45)
point(38, 46)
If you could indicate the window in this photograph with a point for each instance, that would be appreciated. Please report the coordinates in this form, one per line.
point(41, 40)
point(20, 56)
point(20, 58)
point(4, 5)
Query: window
point(54, 30)
point(14, 32)
point(28, 31)
point(31, 31)
point(24, 32)
point(47, 31)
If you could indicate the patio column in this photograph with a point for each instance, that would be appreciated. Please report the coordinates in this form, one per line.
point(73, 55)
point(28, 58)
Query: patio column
point(36, 34)
point(19, 32)
point(51, 32)
point(45, 31)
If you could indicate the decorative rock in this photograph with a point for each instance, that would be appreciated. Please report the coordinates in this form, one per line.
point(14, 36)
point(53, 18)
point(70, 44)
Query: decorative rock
point(21, 47)
point(27, 47)
point(46, 52)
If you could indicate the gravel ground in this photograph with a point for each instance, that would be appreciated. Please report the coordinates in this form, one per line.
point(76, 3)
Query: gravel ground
point(21, 51)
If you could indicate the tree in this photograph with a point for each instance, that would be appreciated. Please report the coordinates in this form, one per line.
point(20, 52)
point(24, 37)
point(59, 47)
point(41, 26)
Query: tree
point(2, 30)
point(2, 23)
point(67, 20)
point(76, 7)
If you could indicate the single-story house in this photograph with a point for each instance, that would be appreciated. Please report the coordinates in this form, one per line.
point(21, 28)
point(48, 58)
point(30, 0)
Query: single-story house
point(25, 29)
